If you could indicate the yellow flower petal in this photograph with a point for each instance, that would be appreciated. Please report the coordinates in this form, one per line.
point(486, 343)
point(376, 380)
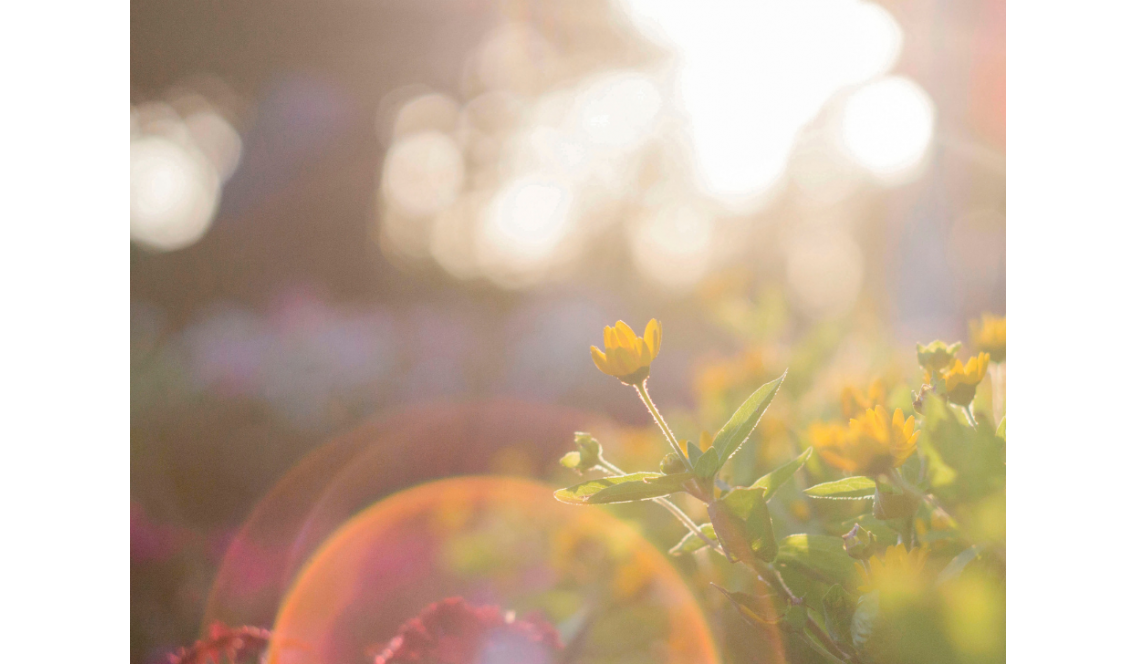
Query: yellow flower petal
point(653, 335)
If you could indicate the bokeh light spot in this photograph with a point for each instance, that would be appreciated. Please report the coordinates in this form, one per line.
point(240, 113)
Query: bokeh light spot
point(523, 228)
point(673, 246)
point(423, 173)
point(887, 126)
point(173, 193)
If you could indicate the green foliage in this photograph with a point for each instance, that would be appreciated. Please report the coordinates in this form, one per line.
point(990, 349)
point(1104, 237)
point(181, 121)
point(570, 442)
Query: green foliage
point(846, 489)
point(743, 525)
point(738, 428)
point(707, 465)
point(975, 455)
point(819, 556)
point(755, 609)
point(780, 475)
point(692, 542)
point(838, 607)
point(622, 488)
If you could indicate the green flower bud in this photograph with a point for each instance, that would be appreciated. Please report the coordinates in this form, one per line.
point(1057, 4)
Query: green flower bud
point(672, 464)
point(859, 542)
point(587, 455)
point(936, 356)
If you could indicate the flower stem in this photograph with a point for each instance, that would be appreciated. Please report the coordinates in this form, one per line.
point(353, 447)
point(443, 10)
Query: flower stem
point(970, 416)
point(641, 389)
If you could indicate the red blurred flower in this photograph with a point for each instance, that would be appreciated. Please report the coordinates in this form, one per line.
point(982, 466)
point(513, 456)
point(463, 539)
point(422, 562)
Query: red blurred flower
point(454, 632)
point(232, 644)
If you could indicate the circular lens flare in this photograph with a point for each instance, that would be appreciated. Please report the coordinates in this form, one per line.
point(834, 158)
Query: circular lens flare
point(491, 540)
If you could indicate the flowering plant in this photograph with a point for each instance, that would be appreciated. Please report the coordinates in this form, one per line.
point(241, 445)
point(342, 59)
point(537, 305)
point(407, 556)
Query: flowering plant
point(901, 555)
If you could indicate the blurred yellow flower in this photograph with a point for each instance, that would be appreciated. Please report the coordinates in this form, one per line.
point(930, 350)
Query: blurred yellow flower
point(714, 378)
point(625, 355)
point(853, 400)
point(960, 381)
point(870, 445)
point(989, 335)
point(900, 569)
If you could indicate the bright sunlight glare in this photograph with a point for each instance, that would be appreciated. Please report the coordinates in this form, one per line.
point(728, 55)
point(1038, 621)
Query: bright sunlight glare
point(887, 126)
point(750, 75)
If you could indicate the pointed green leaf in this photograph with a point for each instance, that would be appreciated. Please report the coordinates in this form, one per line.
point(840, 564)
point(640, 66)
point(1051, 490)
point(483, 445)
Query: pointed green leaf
point(847, 489)
point(692, 542)
point(743, 525)
point(756, 609)
point(838, 607)
point(955, 567)
point(708, 464)
point(742, 423)
point(865, 619)
point(1002, 430)
point(622, 489)
point(777, 477)
point(693, 452)
point(819, 556)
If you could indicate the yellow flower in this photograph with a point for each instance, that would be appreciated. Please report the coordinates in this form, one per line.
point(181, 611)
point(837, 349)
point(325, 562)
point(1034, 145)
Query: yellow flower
point(870, 445)
point(899, 569)
point(853, 400)
point(960, 381)
point(625, 355)
point(989, 335)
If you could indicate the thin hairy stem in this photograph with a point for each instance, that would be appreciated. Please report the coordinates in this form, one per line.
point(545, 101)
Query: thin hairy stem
point(641, 389)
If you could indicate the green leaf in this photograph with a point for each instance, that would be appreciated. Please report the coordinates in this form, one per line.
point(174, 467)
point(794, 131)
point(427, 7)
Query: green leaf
point(838, 608)
point(742, 522)
point(708, 464)
point(693, 452)
point(777, 477)
point(742, 423)
point(865, 619)
point(819, 556)
point(847, 489)
point(692, 542)
point(1002, 430)
point(571, 460)
point(955, 567)
point(795, 618)
point(622, 488)
point(756, 609)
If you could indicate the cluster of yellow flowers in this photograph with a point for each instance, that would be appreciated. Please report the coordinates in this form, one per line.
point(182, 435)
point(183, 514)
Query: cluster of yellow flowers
point(955, 378)
point(871, 444)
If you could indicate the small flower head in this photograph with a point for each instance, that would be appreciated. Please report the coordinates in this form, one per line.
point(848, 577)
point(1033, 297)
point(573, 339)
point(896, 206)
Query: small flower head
point(989, 335)
point(899, 569)
point(626, 356)
point(961, 380)
point(936, 356)
point(870, 445)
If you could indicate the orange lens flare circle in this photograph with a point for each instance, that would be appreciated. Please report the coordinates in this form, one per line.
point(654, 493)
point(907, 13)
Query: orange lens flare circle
point(492, 540)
